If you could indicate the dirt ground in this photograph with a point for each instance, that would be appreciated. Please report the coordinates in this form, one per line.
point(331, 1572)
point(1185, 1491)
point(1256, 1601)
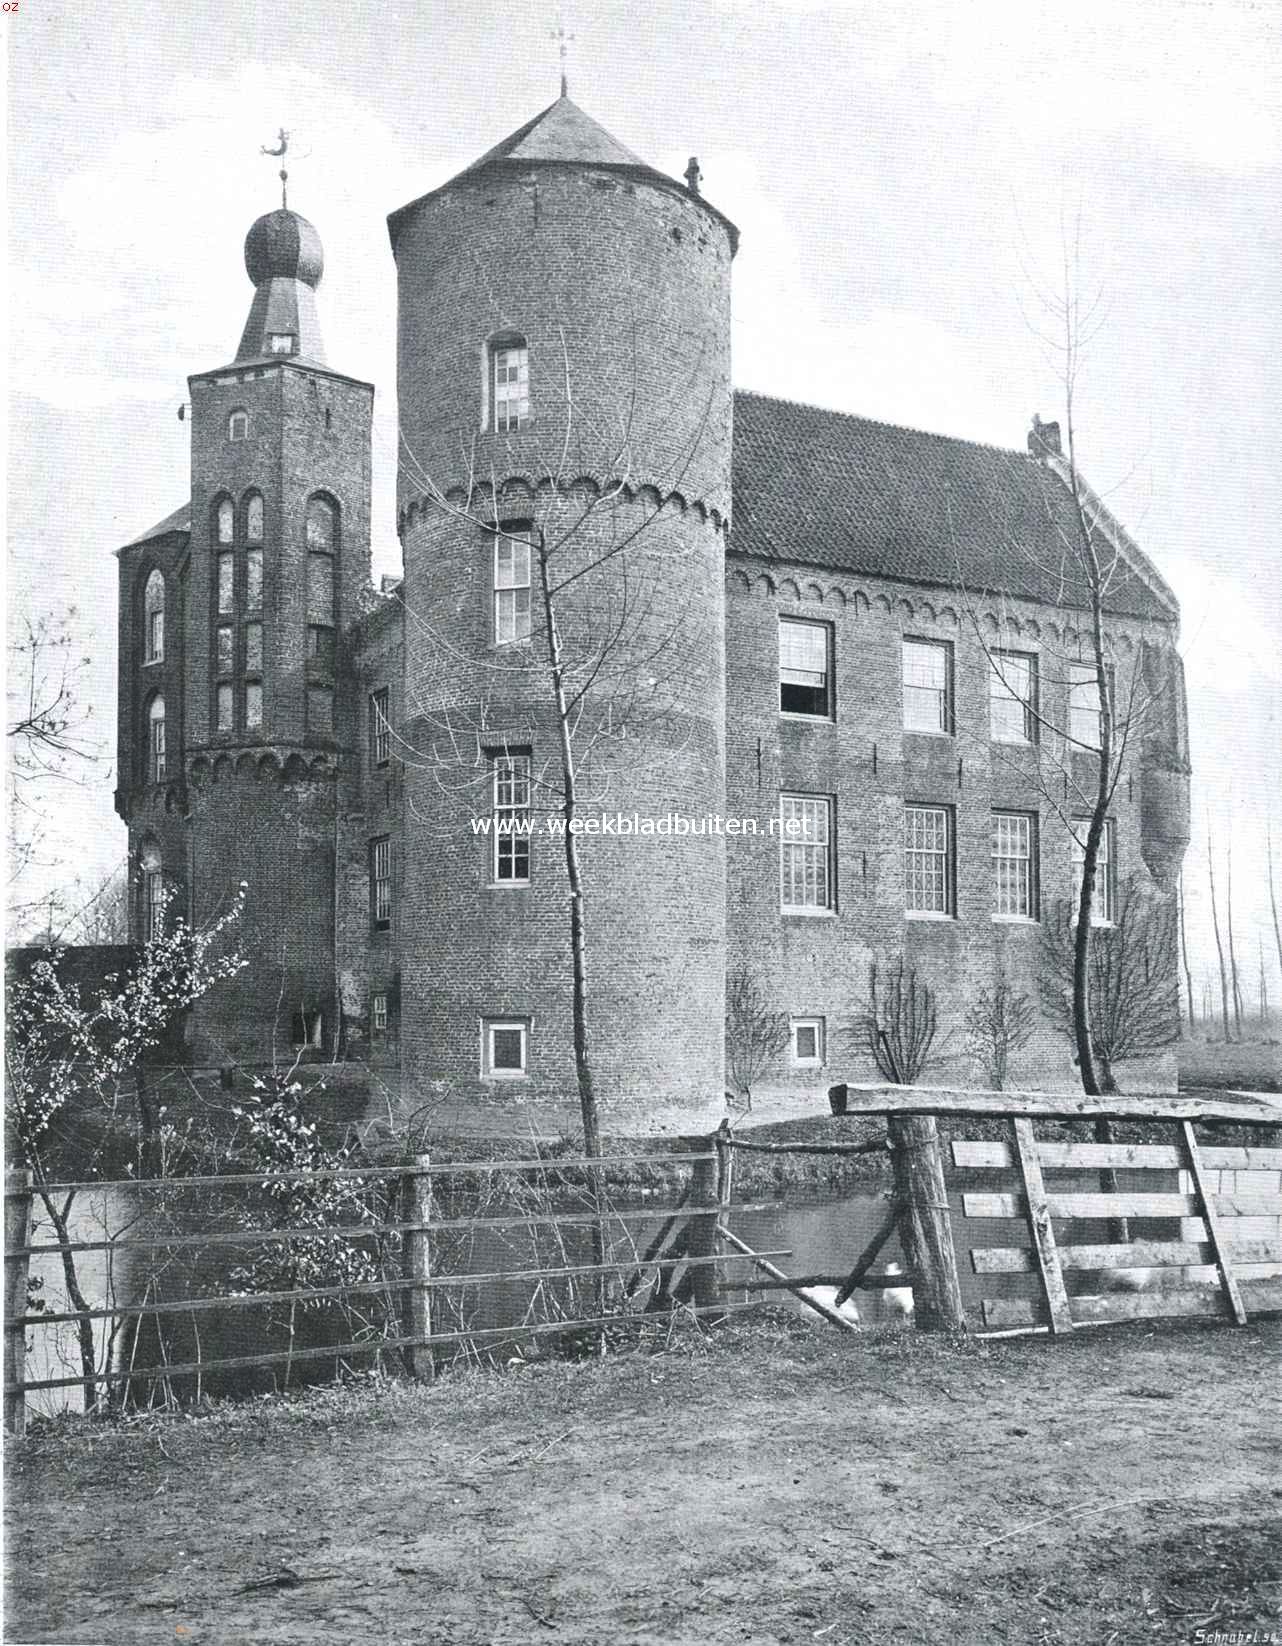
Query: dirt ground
point(773, 1482)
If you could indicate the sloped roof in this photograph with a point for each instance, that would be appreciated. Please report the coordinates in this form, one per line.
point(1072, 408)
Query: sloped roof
point(178, 521)
point(562, 135)
point(824, 488)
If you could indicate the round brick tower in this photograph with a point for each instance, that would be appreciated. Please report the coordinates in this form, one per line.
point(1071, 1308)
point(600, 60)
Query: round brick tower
point(564, 383)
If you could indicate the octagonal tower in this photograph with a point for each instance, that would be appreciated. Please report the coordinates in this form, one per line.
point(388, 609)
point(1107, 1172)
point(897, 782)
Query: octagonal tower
point(564, 380)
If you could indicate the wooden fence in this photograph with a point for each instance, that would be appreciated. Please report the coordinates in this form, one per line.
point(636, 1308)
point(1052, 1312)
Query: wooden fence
point(676, 1268)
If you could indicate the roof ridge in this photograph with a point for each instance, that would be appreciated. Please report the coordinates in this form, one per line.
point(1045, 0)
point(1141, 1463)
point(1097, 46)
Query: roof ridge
point(882, 423)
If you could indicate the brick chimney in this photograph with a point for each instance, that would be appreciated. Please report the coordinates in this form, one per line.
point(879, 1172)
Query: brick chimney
point(1043, 439)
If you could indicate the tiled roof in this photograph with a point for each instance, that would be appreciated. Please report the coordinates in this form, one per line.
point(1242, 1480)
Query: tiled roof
point(178, 521)
point(827, 489)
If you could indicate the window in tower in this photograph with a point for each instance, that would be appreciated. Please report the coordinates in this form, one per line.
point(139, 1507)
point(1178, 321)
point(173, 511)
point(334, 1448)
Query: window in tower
point(254, 518)
point(254, 579)
point(320, 648)
point(510, 381)
point(280, 342)
point(322, 522)
point(154, 618)
point(238, 426)
point(156, 739)
point(225, 521)
point(253, 648)
point(226, 584)
point(511, 818)
point(380, 727)
point(224, 702)
point(225, 648)
point(380, 883)
point(253, 705)
point(153, 892)
point(511, 584)
point(320, 709)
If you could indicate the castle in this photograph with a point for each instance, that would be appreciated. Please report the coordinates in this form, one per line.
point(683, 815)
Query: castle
point(819, 679)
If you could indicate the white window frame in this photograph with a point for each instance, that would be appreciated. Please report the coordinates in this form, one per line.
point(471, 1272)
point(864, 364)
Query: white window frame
point(943, 693)
point(512, 781)
point(380, 726)
point(511, 393)
point(154, 617)
point(1104, 901)
point(801, 639)
point(818, 1026)
point(1002, 819)
point(1004, 699)
point(378, 1013)
point(380, 882)
point(153, 893)
point(157, 758)
point(1083, 682)
point(493, 1025)
point(933, 855)
point(806, 854)
point(511, 581)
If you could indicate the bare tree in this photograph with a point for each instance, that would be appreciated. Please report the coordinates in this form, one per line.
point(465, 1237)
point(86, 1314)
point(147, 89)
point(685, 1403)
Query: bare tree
point(50, 740)
point(1134, 984)
point(1234, 978)
point(997, 1026)
point(1273, 896)
point(755, 1034)
point(1219, 944)
point(1184, 955)
point(897, 1022)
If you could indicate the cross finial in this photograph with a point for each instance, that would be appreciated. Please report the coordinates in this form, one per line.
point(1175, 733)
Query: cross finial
point(559, 34)
point(278, 153)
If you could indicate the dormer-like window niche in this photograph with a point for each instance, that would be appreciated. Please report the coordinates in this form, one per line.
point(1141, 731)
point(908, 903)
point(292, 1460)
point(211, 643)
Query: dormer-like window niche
point(281, 342)
point(154, 619)
point(238, 425)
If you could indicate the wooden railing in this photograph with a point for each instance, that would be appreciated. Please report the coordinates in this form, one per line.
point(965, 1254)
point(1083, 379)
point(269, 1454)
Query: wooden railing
point(682, 1275)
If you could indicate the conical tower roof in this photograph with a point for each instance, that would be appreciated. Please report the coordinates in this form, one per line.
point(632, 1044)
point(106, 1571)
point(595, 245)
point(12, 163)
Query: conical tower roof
point(561, 135)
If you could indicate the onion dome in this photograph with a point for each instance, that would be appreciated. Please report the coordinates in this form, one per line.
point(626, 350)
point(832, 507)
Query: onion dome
point(284, 246)
point(285, 260)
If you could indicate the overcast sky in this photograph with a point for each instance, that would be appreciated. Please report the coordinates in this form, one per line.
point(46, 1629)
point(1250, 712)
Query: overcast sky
point(900, 174)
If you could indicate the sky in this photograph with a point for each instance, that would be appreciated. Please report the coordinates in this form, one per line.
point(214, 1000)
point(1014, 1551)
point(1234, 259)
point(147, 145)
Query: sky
point(904, 176)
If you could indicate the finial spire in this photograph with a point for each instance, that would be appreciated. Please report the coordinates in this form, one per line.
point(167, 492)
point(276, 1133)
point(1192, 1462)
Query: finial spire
point(278, 153)
point(559, 34)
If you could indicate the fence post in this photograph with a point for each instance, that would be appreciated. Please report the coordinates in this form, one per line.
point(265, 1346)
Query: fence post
point(416, 1268)
point(17, 1234)
point(925, 1224)
point(703, 1225)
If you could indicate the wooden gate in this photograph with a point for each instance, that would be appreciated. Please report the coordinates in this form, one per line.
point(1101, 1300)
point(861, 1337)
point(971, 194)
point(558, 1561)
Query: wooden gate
point(1207, 1271)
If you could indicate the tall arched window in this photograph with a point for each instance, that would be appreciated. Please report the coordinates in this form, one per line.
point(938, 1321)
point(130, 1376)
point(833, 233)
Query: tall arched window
point(509, 382)
point(152, 892)
point(253, 518)
point(153, 604)
point(322, 551)
point(225, 521)
point(156, 739)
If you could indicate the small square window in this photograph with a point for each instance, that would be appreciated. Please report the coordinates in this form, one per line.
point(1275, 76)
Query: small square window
point(805, 668)
point(506, 1046)
point(280, 342)
point(808, 1042)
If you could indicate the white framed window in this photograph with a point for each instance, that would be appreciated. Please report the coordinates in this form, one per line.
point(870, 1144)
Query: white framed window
point(153, 604)
point(808, 1042)
point(378, 1013)
point(1084, 717)
point(238, 425)
point(380, 882)
point(511, 777)
point(505, 1045)
point(1012, 697)
point(510, 382)
point(1015, 865)
point(928, 860)
point(928, 685)
point(805, 667)
point(380, 727)
point(805, 853)
point(1104, 901)
point(153, 893)
point(156, 758)
point(511, 585)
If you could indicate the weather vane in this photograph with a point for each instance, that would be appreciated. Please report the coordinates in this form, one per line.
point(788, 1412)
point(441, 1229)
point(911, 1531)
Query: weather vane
point(559, 34)
point(278, 153)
